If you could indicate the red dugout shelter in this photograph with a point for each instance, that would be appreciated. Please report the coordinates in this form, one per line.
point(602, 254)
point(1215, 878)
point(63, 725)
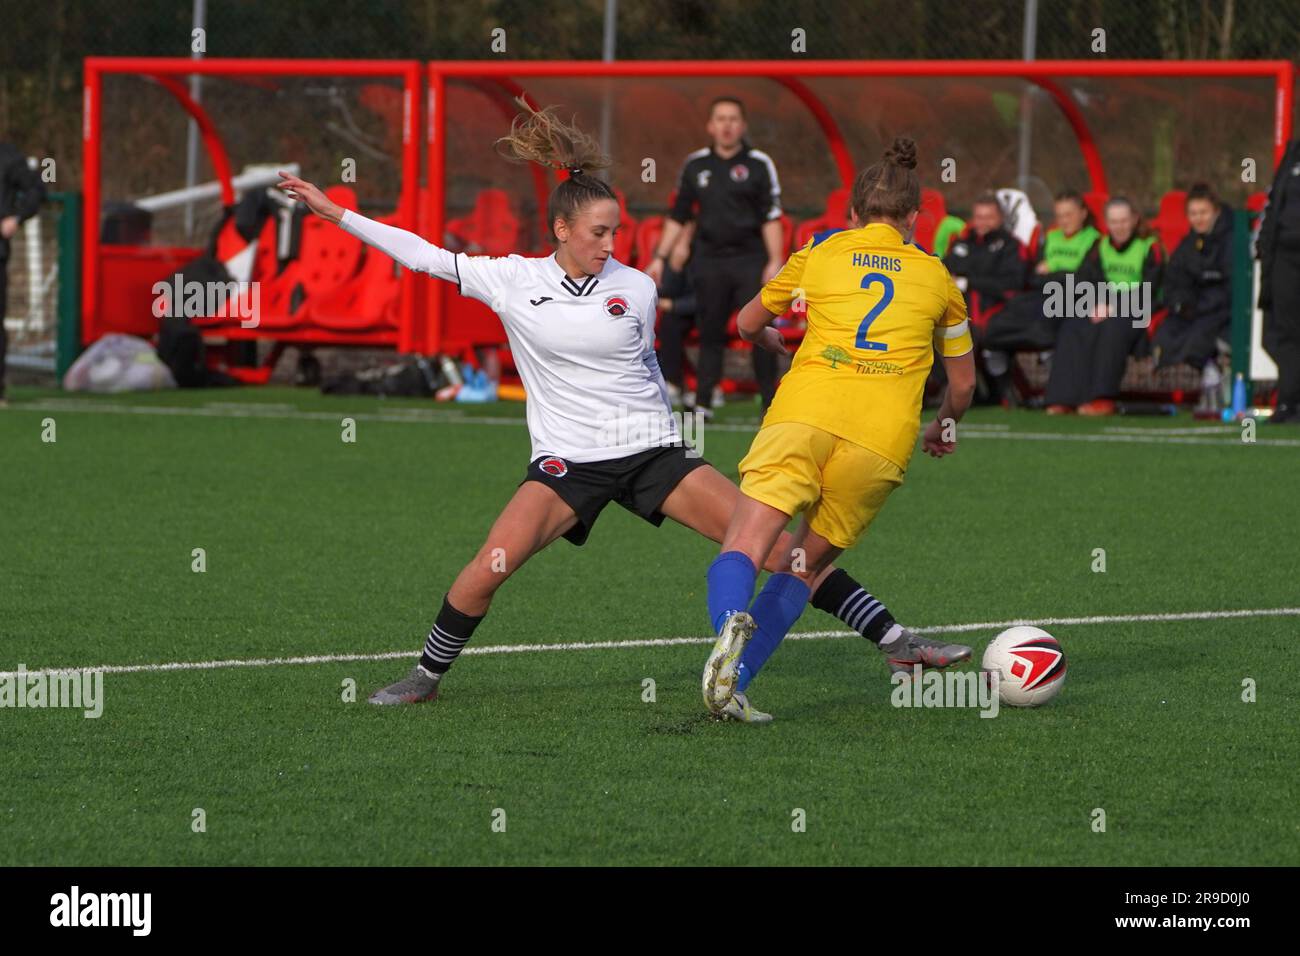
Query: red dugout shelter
point(1159, 121)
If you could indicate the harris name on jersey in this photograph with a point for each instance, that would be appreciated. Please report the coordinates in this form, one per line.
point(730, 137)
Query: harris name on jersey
point(865, 260)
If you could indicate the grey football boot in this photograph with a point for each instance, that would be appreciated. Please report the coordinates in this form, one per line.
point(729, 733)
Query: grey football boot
point(908, 650)
point(416, 687)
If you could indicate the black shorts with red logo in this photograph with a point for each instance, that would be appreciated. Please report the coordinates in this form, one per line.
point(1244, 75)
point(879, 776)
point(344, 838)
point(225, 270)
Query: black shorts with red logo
point(639, 483)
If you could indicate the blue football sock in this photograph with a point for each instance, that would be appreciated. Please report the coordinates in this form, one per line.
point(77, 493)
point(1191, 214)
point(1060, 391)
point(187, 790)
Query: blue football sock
point(731, 586)
point(775, 610)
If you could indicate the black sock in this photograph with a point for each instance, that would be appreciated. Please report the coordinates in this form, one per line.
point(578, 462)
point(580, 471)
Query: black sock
point(843, 597)
point(451, 631)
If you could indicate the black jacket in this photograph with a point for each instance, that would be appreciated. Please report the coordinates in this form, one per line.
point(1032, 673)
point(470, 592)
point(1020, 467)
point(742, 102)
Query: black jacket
point(1279, 233)
point(994, 268)
point(1198, 280)
point(21, 190)
point(735, 197)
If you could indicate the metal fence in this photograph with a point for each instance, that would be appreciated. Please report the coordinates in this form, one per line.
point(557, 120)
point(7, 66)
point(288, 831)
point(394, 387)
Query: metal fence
point(41, 310)
point(42, 50)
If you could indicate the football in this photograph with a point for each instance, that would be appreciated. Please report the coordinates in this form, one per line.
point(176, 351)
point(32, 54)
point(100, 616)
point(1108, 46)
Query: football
point(1030, 665)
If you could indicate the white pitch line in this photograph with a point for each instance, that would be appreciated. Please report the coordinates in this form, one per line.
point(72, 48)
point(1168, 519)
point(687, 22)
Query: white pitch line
point(662, 642)
point(1230, 430)
point(1146, 439)
point(421, 416)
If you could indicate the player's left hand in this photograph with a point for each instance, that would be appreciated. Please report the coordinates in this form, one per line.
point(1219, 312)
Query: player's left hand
point(772, 340)
point(9, 227)
point(771, 269)
point(316, 201)
point(932, 442)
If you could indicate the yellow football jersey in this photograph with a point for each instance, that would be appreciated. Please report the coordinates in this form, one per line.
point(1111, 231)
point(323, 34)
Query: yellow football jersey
point(877, 310)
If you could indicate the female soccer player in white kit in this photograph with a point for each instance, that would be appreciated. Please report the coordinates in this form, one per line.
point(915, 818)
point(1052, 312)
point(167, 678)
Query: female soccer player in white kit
point(581, 327)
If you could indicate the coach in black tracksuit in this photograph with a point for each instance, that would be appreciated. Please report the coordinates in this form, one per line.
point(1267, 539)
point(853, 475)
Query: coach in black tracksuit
point(738, 240)
point(1279, 287)
point(21, 193)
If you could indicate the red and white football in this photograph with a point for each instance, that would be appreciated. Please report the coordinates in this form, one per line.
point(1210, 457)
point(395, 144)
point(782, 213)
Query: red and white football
point(1030, 665)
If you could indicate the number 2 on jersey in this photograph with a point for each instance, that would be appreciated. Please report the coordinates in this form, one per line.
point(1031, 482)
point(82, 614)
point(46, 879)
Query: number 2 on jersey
point(868, 280)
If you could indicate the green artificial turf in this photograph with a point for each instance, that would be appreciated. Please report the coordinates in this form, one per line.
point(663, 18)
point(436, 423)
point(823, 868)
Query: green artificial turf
point(319, 547)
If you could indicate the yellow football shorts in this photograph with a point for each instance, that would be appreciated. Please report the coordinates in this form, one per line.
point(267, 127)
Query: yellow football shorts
point(842, 486)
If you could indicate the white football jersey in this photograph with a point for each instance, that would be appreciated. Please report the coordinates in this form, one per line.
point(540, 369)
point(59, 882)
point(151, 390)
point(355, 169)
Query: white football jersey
point(584, 347)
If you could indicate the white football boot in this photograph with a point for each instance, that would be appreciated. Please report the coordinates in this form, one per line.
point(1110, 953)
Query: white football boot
point(723, 666)
point(738, 709)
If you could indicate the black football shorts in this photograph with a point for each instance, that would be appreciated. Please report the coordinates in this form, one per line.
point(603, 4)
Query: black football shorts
point(639, 483)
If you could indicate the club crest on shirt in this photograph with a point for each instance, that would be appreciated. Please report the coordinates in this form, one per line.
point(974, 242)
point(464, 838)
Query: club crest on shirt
point(739, 173)
point(616, 305)
point(555, 467)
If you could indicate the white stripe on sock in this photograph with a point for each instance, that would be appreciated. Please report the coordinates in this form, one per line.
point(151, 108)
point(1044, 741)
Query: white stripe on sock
point(852, 604)
point(866, 614)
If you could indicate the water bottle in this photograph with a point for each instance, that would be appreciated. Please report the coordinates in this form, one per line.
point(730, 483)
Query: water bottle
point(1239, 397)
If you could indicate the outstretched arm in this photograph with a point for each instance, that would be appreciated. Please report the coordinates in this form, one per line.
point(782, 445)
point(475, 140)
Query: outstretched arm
point(410, 250)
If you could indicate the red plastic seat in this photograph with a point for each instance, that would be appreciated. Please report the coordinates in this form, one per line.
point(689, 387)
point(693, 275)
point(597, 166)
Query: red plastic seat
point(229, 242)
point(933, 211)
point(836, 216)
point(367, 301)
point(1034, 244)
point(1170, 223)
point(648, 231)
point(327, 258)
point(491, 228)
point(625, 240)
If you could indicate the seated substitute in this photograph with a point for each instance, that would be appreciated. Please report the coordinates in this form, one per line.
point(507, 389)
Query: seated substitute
point(1092, 351)
point(1198, 291)
point(1024, 323)
point(988, 265)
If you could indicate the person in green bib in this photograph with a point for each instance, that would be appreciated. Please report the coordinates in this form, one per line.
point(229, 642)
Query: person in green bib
point(1092, 350)
point(1031, 320)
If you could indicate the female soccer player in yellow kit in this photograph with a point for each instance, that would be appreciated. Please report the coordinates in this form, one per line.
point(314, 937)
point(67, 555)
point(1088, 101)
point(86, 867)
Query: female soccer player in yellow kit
point(841, 430)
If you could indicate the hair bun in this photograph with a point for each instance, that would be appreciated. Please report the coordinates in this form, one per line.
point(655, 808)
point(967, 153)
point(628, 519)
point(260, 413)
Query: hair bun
point(902, 153)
